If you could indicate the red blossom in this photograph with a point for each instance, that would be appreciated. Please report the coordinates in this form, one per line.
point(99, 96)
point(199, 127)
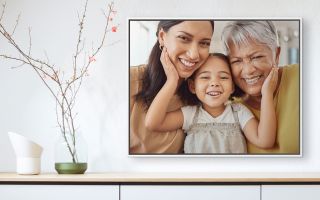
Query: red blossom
point(91, 59)
point(114, 29)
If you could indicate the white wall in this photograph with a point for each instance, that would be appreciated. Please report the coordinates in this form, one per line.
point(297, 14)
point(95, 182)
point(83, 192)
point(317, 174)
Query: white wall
point(27, 107)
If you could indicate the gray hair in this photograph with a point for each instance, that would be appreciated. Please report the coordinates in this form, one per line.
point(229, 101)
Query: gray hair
point(241, 32)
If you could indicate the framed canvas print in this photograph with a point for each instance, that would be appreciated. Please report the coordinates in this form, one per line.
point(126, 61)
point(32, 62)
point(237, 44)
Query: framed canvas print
point(215, 87)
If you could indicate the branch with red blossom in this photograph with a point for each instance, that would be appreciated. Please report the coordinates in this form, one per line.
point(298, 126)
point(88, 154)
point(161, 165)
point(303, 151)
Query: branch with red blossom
point(63, 88)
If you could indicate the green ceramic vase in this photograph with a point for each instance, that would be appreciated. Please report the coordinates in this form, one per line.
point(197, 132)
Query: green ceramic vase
point(71, 168)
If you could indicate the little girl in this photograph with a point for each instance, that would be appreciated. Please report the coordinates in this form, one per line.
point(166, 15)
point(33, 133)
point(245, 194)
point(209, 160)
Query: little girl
point(214, 125)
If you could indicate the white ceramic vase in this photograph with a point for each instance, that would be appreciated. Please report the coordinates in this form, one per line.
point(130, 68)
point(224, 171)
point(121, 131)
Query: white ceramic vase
point(28, 154)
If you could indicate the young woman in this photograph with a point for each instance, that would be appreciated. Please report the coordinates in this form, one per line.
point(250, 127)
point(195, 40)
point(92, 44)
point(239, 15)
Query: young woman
point(187, 44)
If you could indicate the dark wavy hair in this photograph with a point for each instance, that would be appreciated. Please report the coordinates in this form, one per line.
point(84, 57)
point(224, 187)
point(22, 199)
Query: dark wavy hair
point(154, 76)
point(192, 99)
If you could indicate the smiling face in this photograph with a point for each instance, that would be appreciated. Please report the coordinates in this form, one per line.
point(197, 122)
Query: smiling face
point(251, 64)
point(213, 84)
point(188, 45)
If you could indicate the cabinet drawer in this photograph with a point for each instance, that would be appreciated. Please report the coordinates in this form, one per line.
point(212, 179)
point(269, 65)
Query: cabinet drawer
point(186, 192)
point(61, 192)
point(292, 192)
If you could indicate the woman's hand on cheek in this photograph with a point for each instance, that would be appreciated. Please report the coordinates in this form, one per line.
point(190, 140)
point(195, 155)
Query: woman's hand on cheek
point(168, 66)
point(270, 84)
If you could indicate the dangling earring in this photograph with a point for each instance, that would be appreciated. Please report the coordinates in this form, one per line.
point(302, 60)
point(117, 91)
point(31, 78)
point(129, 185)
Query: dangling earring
point(161, 47)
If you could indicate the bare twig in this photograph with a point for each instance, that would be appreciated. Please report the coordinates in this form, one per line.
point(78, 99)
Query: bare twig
point(110, 11)
point(3, 9)
point(12, 58)
point(113, 43)
point(15, 26)
point(81, 23)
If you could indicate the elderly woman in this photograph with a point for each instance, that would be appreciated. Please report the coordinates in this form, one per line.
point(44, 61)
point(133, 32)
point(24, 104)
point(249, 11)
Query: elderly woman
point(253, 49)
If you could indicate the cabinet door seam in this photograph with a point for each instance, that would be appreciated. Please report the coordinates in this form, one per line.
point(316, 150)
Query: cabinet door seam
point(119, 191)
point(260, 192)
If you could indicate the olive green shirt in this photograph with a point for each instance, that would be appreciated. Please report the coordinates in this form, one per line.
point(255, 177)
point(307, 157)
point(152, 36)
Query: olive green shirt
point(287, 106)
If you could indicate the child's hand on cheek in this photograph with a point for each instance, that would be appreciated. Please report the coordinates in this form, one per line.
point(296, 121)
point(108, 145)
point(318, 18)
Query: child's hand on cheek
point(270, 84)
point(169, 68)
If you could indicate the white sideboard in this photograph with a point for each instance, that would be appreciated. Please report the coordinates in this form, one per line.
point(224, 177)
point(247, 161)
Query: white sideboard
point(159, 186)
point(292, 192)
point(59, 192)
point(187, 192)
